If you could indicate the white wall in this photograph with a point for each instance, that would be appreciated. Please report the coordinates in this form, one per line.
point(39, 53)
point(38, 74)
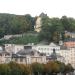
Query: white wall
point(13, 48)
point(46, 48)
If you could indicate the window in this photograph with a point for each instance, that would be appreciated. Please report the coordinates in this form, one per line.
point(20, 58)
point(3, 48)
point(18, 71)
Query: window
point(21, 59)
point(6, 45)
point(38, 48)
point(44, 48)
point(41, 48)
point(16, 59)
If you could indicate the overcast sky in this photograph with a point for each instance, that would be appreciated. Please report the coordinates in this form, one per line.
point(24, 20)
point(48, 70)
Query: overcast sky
point(53, 8)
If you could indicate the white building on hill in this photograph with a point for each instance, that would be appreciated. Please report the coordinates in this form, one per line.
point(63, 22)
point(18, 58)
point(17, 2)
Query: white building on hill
point(47, 49)
point(14, 48)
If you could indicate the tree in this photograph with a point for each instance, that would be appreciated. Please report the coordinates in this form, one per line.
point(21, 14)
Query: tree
point(37, 68)
point(61, 66)
point(31, 21)
point(19, 69)
point(15, 69)
point(68, 68)
point(1, 32)
point(16, 24)
point(57, 29)
point(52, 68)
point(25, 69)
point(51, 29)
point(4, 69)
point(45, 33)
point(68, 23)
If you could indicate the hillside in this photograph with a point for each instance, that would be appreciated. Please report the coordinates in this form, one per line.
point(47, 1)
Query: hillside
point(51, 29)
point(25, 39)
point(15, 24)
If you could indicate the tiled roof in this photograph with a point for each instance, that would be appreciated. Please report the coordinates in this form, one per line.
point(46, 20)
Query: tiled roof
point(69, 39)
point(24, 52)
point(27, 52)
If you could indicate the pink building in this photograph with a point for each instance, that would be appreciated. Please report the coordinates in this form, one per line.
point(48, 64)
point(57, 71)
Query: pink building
point(69, 42)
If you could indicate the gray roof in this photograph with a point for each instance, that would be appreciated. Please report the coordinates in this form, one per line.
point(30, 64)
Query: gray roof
point(43, 43)
point(17, 56)
point(69, 39)
point(3, 52)
point(25, 51)
point(51, 57)
point(54, 56)
point(63, 47)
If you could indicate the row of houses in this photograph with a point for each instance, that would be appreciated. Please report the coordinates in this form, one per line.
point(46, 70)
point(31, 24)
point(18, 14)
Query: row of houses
point(28, 54)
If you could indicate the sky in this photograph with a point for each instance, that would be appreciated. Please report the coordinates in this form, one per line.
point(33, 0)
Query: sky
point(53, 8)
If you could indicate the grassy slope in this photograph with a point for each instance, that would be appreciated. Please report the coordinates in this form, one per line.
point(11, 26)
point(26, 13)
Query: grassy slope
point(22, 40)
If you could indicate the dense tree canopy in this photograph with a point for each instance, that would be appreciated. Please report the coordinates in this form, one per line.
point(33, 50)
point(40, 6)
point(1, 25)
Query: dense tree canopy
point(15, 24)
point(51, 28)
point(50, 68)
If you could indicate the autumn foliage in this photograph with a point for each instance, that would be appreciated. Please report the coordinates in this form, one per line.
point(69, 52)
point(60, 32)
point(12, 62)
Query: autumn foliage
point(50, 68)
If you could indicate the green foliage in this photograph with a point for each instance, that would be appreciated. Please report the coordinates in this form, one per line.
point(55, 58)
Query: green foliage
point(50, 68)
point(15, 24)
point(68, 68)
point(55, 67)
point(37, 68)
point(18, 69)
point(25, 39)
point(51, 28)
point(1, 32)
point(68, 23)
point(4, 69)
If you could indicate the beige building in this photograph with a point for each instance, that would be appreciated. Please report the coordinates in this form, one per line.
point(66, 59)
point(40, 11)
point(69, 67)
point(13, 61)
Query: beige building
point(28, 58)
point(38, 24)
point(5, 57)
point(69, 55)
point(64, 53)
point(70, 34)
point(25, 56)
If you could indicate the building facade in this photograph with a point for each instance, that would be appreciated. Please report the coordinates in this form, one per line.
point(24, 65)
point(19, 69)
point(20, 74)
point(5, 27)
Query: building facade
point(47, 49)
point(23, 53)
point(28, 58)
point(5, 57)
point(69, 42)
point(13, 48)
